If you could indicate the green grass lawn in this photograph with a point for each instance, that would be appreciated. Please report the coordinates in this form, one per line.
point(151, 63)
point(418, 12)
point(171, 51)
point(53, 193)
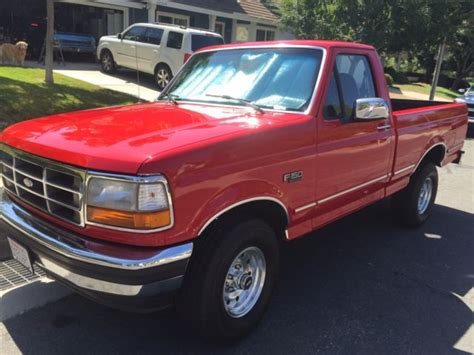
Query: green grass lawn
point(24, 95)
point(425, 89)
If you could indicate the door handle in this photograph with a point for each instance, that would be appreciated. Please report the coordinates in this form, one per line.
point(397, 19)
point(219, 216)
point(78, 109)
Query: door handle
point(384, 127)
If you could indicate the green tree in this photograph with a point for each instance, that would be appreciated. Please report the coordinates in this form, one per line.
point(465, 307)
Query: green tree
point(312, 19)
point(416, 27)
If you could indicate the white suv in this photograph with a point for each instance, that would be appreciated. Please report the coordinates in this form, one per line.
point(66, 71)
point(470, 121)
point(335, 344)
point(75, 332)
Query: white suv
point(156, 49)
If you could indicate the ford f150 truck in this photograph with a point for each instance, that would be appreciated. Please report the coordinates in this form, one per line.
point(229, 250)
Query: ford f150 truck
point(187, 200)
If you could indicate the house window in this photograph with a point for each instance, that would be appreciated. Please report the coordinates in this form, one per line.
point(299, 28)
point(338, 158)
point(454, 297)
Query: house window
point(265, 35)
point(220, 28)
point(174, 19)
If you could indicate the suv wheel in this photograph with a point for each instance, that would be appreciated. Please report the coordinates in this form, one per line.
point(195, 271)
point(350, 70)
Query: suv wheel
point(414, 203)
point(230, 280)
point(163, 76)
point(107, 62)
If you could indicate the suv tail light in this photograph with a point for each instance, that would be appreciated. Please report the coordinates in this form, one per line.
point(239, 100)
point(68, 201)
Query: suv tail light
point(186, 57)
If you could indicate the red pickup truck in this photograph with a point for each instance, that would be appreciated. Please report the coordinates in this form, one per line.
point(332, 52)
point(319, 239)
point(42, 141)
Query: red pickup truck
point(187, 200)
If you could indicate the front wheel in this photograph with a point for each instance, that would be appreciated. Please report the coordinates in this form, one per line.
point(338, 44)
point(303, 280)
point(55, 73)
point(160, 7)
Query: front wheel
point(230, 281)
point(107, 62)
point(413, 204)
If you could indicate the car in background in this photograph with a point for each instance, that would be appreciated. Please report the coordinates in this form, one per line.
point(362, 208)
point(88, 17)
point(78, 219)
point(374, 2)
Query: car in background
point(468, 99)
point(157, 49)
point(75, 42)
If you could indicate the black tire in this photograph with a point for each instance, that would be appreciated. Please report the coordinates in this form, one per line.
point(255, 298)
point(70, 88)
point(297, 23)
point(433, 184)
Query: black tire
point(162, 76)
point(406, 202)
point(201, 302)
point(107, 63)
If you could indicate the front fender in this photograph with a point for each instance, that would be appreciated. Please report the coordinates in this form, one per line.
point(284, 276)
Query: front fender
point(236, 195)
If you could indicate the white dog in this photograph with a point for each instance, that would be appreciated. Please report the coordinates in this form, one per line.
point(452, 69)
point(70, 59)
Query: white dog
point(13, 53)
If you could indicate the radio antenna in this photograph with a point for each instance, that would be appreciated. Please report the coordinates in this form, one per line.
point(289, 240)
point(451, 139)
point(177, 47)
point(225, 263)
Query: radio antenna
point(138, 73)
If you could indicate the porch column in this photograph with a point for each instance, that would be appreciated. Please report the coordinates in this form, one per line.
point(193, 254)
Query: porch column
point(151, 13)
point(212, 23)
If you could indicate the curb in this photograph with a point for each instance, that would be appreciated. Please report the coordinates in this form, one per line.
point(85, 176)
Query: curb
point(18, 300)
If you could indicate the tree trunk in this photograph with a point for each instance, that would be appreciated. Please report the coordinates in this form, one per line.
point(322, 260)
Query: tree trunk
point(49, 42)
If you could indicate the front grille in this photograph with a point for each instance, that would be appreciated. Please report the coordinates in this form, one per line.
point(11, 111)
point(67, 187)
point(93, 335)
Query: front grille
point(44, 184)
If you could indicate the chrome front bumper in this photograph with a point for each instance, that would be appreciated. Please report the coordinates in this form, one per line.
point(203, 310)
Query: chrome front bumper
point(95, 266)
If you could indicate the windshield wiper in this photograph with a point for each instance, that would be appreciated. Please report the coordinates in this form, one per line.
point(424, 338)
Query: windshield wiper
point(243, 101)
point(171, 98)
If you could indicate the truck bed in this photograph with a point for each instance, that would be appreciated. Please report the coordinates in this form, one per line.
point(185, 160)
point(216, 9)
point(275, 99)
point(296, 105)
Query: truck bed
point(403, 104)
point(422, 125)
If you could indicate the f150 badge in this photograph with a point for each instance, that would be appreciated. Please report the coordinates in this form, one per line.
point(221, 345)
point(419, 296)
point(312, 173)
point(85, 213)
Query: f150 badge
point(294, 176)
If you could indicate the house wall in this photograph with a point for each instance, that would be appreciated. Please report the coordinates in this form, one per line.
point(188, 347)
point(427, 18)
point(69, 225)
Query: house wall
point(228, 28)
point(195, 19)
point(137, 15)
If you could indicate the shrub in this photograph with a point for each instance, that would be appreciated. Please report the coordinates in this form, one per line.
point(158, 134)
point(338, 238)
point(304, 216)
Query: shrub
point(389, 79)
point(398, 77)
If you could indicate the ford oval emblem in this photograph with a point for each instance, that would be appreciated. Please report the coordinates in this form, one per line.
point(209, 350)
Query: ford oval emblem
point(28, 182)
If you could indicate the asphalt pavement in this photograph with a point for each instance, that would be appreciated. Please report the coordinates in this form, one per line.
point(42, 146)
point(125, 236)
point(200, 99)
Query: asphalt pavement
point(362, 285)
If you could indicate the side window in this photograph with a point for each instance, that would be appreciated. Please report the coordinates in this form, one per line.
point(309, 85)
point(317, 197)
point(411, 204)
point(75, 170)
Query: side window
point(153, 35)
point(175, 40)
point(355, 79)
point(332, 105)
point(135, 34)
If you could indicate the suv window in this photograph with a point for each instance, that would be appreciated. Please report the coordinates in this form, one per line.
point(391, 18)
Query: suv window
point(135, 34)
point(153, 35)
point(201, 41)
point(351, 80)
point(175, 40)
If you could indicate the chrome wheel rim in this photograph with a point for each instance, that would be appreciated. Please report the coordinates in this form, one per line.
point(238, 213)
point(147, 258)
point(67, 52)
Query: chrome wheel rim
point(162, 77)
point(425, 195)
point(244, 282)
point(107, 62)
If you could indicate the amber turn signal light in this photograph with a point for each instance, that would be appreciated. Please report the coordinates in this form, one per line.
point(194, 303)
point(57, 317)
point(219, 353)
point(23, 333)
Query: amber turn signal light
point(132, 220)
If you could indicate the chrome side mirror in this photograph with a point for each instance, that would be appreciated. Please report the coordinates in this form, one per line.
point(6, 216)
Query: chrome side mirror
point(373, 108)
point(462, 91)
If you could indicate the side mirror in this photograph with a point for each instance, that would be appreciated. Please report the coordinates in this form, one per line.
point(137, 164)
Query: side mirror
point(462, 91)
point(371, 109)
point(119, 35)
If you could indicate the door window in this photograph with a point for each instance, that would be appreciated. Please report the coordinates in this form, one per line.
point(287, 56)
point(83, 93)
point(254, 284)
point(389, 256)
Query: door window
point(153, 35)
point(351, 80)
point(332, 106)
point(175, 40)
point(135, 34)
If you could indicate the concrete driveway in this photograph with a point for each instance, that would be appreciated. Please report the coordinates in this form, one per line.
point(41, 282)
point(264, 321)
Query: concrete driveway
point(139, 85)
point(361, 285)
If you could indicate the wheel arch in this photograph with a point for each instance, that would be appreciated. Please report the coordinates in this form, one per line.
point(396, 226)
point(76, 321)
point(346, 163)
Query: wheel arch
point(106, 49)
point(270, 209)
point(435, 153)
point(159, 64)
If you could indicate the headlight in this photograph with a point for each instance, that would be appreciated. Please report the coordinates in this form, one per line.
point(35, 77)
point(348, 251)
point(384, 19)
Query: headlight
point(138, 205)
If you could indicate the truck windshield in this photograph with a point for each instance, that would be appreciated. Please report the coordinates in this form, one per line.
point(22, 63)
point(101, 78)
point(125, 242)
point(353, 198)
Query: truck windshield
point(272, 78)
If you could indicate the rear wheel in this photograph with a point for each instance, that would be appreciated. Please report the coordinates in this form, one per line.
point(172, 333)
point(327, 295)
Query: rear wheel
point(163, 76)
point(230, 280)
point(413, 205)
point(107, 62)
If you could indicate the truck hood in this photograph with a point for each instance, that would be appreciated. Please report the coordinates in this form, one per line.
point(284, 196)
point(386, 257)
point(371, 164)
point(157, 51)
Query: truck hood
point(120, 139)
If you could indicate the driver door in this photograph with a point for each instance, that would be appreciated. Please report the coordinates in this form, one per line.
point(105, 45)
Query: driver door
point(127, 50)
point(353, 156)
